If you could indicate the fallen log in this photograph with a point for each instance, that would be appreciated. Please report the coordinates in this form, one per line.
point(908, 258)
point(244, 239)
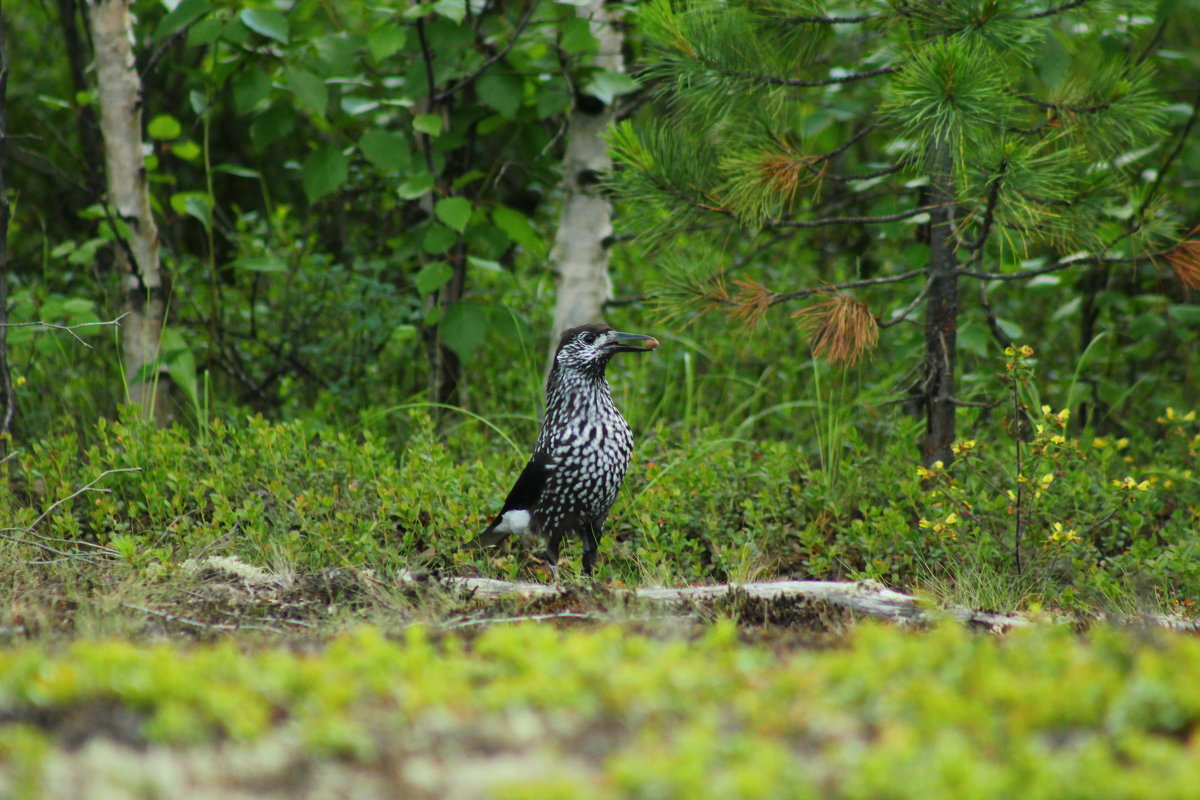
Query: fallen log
point(867, 598)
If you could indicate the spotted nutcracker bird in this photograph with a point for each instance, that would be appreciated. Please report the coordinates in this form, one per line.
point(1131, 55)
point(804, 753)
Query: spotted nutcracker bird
point(571, 481)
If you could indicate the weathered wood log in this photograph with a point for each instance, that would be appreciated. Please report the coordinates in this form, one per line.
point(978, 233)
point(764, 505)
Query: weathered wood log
point(867, 598)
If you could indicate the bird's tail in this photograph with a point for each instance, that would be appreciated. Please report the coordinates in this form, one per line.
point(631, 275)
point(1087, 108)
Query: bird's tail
point(489, 538)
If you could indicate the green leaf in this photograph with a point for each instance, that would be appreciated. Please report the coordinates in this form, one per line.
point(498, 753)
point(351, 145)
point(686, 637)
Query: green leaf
point(973, 337)
point(516, 226)
point(181, 363)
point(468, 177)
point(485, 264)
point(463, 328)
point(385, 150)
point(237, 170)
point(267, 263)
point(454, 211)
point(418, 185)
point(438, 239)
point(433, 276)
point(205, 32)
point(250, 87)
point(323, 172)
point(187, 150)
point(1185, 313)
point(164, 126)
point(193, 204)
point(607, 84)
point(385, 41)
point(428, 123)
point(267, 22)
point(200, 207)
point(180, 17)
point(577, 37)
point(501, 92)
point(309, 89)
point(272, 125)
point(552, 100)
point(354, 105)
point(453, 10)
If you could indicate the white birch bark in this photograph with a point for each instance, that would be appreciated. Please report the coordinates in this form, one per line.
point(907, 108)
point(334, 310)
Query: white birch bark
point(579, 256)
point(119, 92)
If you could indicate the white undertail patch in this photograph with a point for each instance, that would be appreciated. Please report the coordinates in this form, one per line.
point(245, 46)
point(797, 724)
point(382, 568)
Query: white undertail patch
point(514, 521)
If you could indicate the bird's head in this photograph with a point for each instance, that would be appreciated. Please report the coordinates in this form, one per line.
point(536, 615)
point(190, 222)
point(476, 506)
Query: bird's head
point(589, 347)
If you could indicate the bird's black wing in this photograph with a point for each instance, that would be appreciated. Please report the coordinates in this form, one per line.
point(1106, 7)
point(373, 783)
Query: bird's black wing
point(524, 496)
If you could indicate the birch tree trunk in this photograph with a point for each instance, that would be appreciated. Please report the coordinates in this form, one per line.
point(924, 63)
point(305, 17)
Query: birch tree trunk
point(119, 92)
point(580, 254)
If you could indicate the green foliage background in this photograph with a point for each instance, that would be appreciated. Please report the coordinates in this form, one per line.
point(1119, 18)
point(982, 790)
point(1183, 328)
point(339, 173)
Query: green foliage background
point(326, 177)
point(352, 196)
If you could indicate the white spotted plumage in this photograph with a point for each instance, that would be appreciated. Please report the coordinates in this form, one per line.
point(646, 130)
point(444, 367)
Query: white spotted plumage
point(582, 452)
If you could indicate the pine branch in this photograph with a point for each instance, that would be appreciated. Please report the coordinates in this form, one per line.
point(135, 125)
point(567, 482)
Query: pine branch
point(866, 176)
point(799, 294)
point(833, 20)
point(775, 80)
point(908, 309)
point(1169, 161)
point(1061, 264)
point(989, 212)
point(1074, 109)
point(1049, 12)
point(820, 223)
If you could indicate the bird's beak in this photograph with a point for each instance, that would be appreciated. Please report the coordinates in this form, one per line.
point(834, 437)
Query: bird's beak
point(633, 343)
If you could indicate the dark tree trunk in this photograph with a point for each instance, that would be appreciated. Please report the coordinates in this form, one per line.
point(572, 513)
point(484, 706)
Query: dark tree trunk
point(70, 20)
point(941, 317)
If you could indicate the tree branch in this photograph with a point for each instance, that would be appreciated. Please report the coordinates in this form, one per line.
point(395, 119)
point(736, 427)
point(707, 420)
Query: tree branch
point(522, 23)
point(820, 223)
point(1049, 12)
point(833, 20)
point(1074, 109)
point(775, 80)
point(68, 328)
point(783, 297)
point(1061, 264)
point(1169, 161)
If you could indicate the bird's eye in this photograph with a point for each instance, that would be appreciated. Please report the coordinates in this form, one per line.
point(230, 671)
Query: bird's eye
point(589, 338)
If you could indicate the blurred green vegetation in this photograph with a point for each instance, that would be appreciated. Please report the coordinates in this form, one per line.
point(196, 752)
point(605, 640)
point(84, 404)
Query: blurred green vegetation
point(946, 714)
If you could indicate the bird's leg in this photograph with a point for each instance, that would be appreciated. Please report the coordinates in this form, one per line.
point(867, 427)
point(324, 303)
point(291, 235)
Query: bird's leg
point(552, 545)
point(590, 534)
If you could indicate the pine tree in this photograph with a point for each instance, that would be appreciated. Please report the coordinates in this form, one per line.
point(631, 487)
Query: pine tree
point(994, 130)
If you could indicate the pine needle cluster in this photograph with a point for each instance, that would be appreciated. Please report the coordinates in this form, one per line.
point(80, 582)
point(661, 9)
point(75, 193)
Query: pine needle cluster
point(800, 114)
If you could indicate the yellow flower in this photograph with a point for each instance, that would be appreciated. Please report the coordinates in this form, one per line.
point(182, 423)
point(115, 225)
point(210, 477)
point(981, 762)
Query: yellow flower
point(1128, 484)
point(1099, 443)
point(1061, 534)
point(961, 448)
point(1047, 479)
point(1123, 442)
point(1046, 410)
